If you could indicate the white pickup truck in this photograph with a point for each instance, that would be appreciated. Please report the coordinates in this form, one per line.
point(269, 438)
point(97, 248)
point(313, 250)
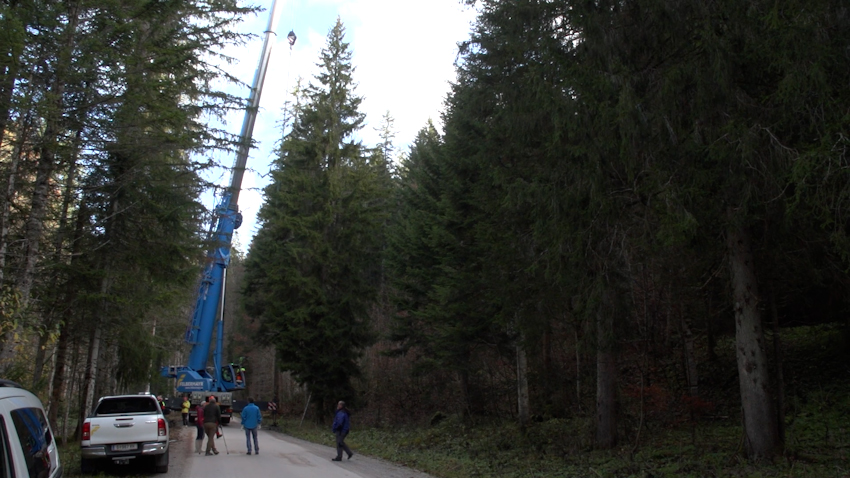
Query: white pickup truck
point(123, 428)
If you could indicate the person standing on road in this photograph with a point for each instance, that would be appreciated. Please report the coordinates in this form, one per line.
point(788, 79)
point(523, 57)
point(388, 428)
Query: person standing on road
point(212, 417)
point(251, 419)
point(185, 410)
point(340, 427)
point(199, 422)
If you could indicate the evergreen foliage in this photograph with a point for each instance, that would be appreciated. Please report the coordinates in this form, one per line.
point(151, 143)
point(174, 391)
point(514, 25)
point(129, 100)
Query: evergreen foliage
point(103, 107)
point(589, 145)
point(314, 266)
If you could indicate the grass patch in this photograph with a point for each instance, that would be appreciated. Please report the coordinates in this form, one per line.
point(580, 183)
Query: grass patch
point(453, 450)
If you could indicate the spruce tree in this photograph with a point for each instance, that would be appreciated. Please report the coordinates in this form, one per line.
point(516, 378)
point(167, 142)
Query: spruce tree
point(445, 307)
point(314, 266)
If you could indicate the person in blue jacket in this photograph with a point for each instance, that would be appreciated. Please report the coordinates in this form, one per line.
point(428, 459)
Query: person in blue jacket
point(342, 423)
point(251, 419)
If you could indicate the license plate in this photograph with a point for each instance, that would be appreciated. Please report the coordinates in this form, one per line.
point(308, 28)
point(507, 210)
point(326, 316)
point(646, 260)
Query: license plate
point(124, 447)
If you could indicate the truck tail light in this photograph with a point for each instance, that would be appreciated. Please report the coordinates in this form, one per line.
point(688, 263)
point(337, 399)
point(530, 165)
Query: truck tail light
point(86, 431)
point(160, 427)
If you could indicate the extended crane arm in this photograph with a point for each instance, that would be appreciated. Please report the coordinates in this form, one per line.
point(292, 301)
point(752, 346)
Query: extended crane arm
point(253, 105)
point(210, 302)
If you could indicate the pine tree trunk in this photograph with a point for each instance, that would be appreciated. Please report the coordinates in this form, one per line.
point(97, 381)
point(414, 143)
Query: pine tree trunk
point(275, 378)
point(547, 361)
point(108, 371)
point(89, 381)
point(5, 225)
point(93, 359)
point(711, 338)
point(50, 142)
point(57, 394)
point(65, 326)
point(35, 219)
point(73, 390)
point(522, 386)
point(691, 371)
point(463, 378)
point(761, 430)
point(780, 375)
point(606, 376)
point(578, 370)
point(68, 196)
point(38, 361)
point(150, 363)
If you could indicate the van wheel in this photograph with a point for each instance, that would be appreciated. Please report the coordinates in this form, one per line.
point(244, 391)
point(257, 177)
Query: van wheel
point(160, 463)
point(88, 466)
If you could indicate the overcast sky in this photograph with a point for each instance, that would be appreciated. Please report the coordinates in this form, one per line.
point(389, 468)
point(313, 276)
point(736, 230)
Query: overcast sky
point(403, 54)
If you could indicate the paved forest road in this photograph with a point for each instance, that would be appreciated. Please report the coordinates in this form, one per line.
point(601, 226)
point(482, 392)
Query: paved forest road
point(280, 456)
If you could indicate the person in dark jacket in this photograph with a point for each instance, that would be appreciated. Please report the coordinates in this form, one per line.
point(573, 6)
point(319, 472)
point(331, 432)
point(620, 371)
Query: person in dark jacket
point(199, 422)
point(212, 418)
point(340, 428)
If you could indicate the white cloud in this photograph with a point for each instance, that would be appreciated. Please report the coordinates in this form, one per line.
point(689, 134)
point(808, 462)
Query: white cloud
point(404, 54)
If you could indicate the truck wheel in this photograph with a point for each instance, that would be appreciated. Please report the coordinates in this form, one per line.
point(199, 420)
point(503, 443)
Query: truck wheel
point(87, 466)
point(160, 463)
point(225, 421)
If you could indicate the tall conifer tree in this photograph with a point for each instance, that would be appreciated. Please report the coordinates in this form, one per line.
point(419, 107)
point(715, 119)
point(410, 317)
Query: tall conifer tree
point(312, 271)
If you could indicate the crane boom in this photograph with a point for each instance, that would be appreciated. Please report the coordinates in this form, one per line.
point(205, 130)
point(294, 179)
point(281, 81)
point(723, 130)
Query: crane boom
point(253, 105)
point(209, 307)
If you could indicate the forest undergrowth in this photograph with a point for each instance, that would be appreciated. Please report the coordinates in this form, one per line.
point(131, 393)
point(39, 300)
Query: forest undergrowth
point(817, 407)
point(817, 419)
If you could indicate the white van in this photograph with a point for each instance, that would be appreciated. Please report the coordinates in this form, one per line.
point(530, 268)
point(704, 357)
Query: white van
point(27, 446)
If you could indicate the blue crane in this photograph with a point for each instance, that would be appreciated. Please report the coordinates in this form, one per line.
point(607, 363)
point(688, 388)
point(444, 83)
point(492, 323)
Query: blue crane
point(195, 377)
